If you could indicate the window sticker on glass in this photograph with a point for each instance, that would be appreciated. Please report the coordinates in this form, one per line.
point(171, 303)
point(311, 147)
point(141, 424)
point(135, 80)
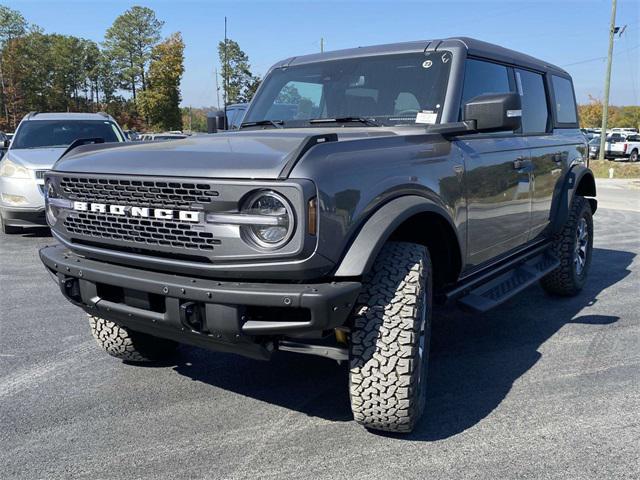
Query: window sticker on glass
point(426, 116)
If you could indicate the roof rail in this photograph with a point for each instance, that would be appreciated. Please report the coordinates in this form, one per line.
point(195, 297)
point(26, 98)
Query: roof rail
point(104, 114)
point(30, 114)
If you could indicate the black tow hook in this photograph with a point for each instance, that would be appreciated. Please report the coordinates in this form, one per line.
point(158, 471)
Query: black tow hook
point(71, 288)
point(192, 316)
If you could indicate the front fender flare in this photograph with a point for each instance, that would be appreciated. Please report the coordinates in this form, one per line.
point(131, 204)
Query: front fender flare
point(377, 229)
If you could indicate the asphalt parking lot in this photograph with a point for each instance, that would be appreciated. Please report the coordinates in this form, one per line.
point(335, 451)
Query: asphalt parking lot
point(539, 388)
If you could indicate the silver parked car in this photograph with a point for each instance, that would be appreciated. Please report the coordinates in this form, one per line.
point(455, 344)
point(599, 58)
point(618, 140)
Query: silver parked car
point(38, 142)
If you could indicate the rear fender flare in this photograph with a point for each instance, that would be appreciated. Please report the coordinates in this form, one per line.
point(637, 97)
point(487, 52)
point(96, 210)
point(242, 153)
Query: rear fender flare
point(579, 176)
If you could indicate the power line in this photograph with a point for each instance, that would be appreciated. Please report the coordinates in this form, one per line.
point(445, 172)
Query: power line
point(599, 58)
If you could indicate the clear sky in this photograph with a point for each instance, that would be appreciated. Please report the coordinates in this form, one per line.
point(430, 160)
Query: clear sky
point(572, 34)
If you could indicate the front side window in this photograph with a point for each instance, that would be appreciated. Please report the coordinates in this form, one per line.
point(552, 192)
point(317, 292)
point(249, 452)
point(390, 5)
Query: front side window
point(386, 89)
point(565, 100)
point(535, 113)
point(61, 133)
point(481, 78)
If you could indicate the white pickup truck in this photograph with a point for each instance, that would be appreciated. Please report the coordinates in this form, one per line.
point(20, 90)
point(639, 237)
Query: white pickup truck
point(626, 148)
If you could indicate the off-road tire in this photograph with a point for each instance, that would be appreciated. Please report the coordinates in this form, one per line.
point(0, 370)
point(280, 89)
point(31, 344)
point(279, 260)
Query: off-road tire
point(126, 344)
point(565, 280)
point(387, 378)
point(8, 229)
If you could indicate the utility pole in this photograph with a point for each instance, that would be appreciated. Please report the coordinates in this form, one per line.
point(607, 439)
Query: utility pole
point(226, 72)
point(607, 83)
point(321, 44)
point(215, 72)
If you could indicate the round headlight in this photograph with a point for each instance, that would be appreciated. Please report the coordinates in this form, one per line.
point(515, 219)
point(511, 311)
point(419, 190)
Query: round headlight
point(273, 221)
point(51, 211)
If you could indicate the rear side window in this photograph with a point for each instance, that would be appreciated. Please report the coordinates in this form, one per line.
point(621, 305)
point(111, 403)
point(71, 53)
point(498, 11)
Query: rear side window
point(535, 114)
point(565, 104)
point(484, 77)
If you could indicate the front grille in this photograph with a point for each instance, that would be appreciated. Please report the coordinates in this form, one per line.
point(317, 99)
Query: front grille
point(148, 233)
point(146, 193)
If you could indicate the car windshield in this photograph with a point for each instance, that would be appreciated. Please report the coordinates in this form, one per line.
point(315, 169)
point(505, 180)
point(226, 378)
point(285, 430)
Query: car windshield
point(376, 90)
point(61, 133)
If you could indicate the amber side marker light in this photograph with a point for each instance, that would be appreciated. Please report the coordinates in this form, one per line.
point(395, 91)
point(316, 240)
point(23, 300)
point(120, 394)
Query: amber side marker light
point(312, 216)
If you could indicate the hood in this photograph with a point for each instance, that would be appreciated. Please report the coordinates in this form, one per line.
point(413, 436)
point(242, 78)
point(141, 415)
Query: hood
point(35, 158)
point(251, 154)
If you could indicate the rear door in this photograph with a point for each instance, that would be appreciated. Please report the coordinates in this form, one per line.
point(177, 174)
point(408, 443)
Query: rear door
point(546, 150)
point(497, 174)
point(553, 151)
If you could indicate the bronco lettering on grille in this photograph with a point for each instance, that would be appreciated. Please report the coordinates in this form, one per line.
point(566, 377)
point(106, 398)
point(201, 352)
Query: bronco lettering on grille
point(141, 212)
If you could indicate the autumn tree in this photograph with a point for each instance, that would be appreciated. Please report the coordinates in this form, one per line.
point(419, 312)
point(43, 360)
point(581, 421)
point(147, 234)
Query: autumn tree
point(129, 42)
point(619, 116)
point(160, 102)
point(238, 83)
point(590, 114)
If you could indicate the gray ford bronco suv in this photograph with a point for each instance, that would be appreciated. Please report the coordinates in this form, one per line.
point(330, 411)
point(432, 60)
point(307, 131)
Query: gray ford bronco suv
point(363, 186)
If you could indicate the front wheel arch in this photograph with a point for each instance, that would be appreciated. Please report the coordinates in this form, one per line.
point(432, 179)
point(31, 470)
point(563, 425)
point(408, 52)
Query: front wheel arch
point(396, 221)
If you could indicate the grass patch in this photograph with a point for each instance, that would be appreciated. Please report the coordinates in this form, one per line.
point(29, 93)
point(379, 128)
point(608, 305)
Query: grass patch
point(620, 169)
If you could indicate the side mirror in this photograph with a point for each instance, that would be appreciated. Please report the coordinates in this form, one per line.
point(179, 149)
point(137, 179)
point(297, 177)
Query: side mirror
point(6, 143)
point(221, 120)
point(216, 121)
point(494, 112)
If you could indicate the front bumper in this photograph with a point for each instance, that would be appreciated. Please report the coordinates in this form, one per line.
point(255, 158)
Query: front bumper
point(615, 154)
point(23, 217)
point(237, 317)
point(31, 189)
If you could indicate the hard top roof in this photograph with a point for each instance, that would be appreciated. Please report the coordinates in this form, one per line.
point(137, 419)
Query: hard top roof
point(473, 47)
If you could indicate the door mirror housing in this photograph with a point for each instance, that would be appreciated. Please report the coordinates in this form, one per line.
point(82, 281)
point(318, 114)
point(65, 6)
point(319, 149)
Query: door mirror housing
point(494, 112)
point(216, 121)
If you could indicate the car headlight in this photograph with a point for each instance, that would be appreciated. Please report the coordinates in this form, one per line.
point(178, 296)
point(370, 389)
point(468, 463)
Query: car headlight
point(277, 224)
point(13, 170)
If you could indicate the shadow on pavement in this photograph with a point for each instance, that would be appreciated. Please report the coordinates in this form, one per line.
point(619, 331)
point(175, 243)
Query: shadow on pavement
point(475, 358)
point(36, 232)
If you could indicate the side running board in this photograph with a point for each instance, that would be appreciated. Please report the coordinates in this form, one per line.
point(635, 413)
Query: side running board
point(503, 287)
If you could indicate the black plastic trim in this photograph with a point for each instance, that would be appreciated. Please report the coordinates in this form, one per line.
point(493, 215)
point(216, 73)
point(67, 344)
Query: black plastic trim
point(360, 256)
point(329, 304)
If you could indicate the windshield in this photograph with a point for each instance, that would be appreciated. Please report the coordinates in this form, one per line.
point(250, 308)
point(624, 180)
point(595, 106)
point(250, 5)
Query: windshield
point(61, 133)
point(389, 89)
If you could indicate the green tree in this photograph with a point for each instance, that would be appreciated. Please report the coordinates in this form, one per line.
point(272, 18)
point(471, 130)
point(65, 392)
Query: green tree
point(238, 83)
point(289, 94)
point(252, 87)
point(160, 102)
point(12, 25)
point(128, 44)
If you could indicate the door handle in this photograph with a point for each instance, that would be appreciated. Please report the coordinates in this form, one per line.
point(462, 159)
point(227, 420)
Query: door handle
point(519, 163)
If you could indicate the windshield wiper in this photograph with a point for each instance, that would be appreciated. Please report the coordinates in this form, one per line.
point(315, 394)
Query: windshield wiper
point(273, 123)
point(370, 122)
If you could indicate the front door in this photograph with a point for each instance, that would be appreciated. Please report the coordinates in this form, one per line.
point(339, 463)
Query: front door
point(497, 174)
point(498, 191)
